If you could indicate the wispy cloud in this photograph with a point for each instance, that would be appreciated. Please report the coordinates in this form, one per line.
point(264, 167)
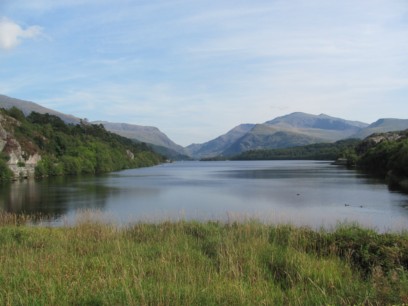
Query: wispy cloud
point(12, 34)
point(197, 68)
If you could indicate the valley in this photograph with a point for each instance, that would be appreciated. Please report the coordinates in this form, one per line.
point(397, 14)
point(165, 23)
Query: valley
point(292, 130)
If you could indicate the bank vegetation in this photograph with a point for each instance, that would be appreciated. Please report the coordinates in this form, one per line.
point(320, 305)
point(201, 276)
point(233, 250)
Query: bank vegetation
point(199, 263)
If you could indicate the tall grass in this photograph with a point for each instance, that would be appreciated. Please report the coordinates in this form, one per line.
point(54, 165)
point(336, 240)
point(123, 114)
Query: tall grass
point(199, 263)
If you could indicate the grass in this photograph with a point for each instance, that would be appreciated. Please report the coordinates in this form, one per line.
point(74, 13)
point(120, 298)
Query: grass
point(199, 263)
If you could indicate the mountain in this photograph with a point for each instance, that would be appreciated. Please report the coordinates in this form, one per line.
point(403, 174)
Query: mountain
point(322, 127)
point(295, 129)
point(150, 135)
point(322, 121)
point(169, 153)
point(27, 107)
point(263, 136)
point(218, 145)
point(147, 134)
point(382, 126)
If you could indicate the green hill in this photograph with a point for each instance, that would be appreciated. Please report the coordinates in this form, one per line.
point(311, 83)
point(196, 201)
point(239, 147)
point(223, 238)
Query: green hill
point(152, 136)
point(44, 145)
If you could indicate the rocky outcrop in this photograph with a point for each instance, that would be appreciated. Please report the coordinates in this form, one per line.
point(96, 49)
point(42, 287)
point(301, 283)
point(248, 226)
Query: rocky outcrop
point(377, 138)
point(130, 154)
point(23, 168)
point(20, 162)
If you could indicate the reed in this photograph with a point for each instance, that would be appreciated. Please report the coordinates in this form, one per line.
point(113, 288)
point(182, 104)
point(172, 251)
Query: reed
point(199, 263)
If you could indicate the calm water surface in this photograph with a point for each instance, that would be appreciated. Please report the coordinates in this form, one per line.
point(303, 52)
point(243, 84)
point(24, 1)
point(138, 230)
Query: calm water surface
point(301, 192)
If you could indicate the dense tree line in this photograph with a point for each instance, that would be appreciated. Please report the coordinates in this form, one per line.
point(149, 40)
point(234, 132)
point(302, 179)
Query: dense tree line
point(319, 151)
point(389, 156)
point(384, 155)
point(68, 149)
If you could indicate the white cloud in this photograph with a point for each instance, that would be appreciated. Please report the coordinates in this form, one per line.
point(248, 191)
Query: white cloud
point(11, 34)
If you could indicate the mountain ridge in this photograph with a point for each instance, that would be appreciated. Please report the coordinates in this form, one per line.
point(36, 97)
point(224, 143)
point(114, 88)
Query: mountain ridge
point(217, 145)
point(383, 125)
point(296, 129)
point(135, 132)
point(141, 133)
point(305, 120)
point(27, 107)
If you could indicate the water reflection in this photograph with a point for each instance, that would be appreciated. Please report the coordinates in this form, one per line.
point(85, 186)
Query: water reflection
point(54, 197)
point(302, 192)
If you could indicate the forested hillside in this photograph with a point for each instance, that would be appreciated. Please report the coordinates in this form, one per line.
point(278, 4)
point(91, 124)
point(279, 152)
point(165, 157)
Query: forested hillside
point(382, 154)
point(385, 154)
point(319, 151)
point(66, 149)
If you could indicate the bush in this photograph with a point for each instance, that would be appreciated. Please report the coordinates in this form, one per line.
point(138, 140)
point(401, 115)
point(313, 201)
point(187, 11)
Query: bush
point(5, 173)
point(71, 165)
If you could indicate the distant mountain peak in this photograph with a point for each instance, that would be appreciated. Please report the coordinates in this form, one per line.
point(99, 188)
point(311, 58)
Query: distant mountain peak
point(297, 128)
point(218, 145)
point(383, 125)
point(383, 121)
point(324, 115)
point(322, 121)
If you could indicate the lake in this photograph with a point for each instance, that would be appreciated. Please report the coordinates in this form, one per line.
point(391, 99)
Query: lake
point(311, 193)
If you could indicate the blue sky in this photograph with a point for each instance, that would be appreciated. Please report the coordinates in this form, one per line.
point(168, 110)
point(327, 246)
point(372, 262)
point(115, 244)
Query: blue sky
point(197, 68)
